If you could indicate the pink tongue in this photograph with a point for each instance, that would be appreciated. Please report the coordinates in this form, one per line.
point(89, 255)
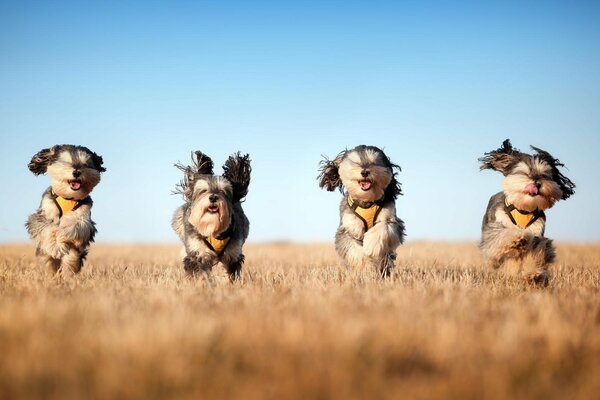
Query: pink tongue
point(75, 185)
point(365, 185)
point(531, 189)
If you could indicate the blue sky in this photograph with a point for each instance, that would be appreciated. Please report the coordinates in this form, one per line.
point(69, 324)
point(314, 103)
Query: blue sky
point(434, 83)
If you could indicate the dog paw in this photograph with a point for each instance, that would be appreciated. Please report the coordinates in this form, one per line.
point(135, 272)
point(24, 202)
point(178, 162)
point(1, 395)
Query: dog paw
point(517, 248)
point(373, 247)
point(541, 279)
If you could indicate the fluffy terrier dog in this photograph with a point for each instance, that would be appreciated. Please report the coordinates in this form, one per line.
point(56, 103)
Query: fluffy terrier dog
point(212, 224)
point(512, 232)
point(369, 230)
point(62, 227)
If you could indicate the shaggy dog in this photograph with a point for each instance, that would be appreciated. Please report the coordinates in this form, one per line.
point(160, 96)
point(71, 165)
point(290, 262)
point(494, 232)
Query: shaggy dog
point(62, 228)
point(211, 223)
point(512, 231)
point(369, 230)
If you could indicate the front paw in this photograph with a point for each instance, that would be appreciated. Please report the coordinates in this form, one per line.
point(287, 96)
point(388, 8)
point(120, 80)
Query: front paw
point(373, 246)
point(192, 264)
point(58, 249)
point(517, 248)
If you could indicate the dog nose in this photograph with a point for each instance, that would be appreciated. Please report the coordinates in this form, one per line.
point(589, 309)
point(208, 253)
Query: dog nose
point(365, 173)
point(213, 198)
point(76, 173)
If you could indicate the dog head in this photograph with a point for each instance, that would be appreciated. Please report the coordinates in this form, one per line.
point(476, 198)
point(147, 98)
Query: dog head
point(212, 197)
point(531, 181)
point(365, 171)
point(74, 170)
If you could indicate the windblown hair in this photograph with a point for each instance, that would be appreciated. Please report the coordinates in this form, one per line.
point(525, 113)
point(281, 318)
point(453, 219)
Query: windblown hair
point(565, 184)
point(502, 159)
point(506, 157)
point(201, 165)
point(329, 176)
point(236, 170)
point(42, 159)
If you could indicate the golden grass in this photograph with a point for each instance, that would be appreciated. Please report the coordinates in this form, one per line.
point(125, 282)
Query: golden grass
point(132, 326)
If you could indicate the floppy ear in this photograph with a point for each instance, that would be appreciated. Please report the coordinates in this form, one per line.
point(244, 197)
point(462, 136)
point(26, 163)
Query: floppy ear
point(394, 189)
point(237, 170)
point(201, 165)
point(565, 184)
point(98, 161)
point(329, 176)
point(39, 163)
point(502, 159)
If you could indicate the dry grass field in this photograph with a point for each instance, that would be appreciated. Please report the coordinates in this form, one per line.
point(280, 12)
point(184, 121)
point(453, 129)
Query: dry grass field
point(131, 325)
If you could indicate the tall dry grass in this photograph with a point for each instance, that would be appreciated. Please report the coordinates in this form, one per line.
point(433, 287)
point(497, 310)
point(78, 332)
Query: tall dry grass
point(131, 325)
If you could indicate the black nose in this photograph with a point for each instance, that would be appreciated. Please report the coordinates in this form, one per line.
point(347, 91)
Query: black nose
point(76, 173)
point(213, 198)
point(365, 173)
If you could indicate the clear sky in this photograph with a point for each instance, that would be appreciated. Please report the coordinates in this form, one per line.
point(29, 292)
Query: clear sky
point(435, 84)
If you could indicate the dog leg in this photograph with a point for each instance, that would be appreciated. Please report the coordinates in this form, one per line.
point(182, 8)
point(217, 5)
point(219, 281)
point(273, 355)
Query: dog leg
point(195, 264)
point(234, 269)
point(51, 264)
point(537, 262)
point(72, 262)
point(387, 265)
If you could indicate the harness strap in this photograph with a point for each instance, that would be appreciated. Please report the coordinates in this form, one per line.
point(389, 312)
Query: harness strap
point(65, 205)
point(367, 214)
point(220, 242)
point(522, 219)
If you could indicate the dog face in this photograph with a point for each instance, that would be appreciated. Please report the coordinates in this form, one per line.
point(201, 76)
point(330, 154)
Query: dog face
point(211, 198)
point(74, 170)
point(211, 205)
point(365, 171)
point(532, 182)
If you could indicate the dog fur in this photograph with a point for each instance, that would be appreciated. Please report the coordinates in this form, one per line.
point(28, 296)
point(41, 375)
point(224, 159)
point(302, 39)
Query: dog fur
point(62, 241)
point(532, 184)
point(368, 177)
point(213, 211)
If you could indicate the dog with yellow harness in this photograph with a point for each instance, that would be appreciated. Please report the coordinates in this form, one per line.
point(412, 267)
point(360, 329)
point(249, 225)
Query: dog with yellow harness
point(512, 232)
point(369, 230)
point(211, 223)
point(62, 227)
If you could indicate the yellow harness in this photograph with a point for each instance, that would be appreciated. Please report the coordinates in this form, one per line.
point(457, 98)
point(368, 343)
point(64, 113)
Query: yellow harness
point(367, 215)
point(217, 245)
point(220, 242)
point(65, 205)
point(521, 218)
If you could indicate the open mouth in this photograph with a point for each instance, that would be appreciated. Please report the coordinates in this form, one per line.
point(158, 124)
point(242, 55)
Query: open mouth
point(75, 184)
point(531, 189)
point(365, 184)
point(213, 209)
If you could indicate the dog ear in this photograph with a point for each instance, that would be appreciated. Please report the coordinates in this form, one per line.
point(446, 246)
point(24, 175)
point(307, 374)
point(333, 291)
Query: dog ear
point(565, 184)
point(201, 165)
point(98, 161)
point(502, 159)
point(394, 189)
point(237, 170)
point(329, 176)
point(39, 162)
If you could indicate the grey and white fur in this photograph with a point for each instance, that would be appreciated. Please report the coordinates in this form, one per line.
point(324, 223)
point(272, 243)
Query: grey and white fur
point(532, 184)
point(212, 215)
point(62, 238)
point(366, 175)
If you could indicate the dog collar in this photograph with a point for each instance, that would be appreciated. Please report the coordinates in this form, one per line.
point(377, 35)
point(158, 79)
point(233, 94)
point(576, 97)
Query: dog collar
point(219, 243)
point(65, 205)
point(521, 218)
point(367, 214)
